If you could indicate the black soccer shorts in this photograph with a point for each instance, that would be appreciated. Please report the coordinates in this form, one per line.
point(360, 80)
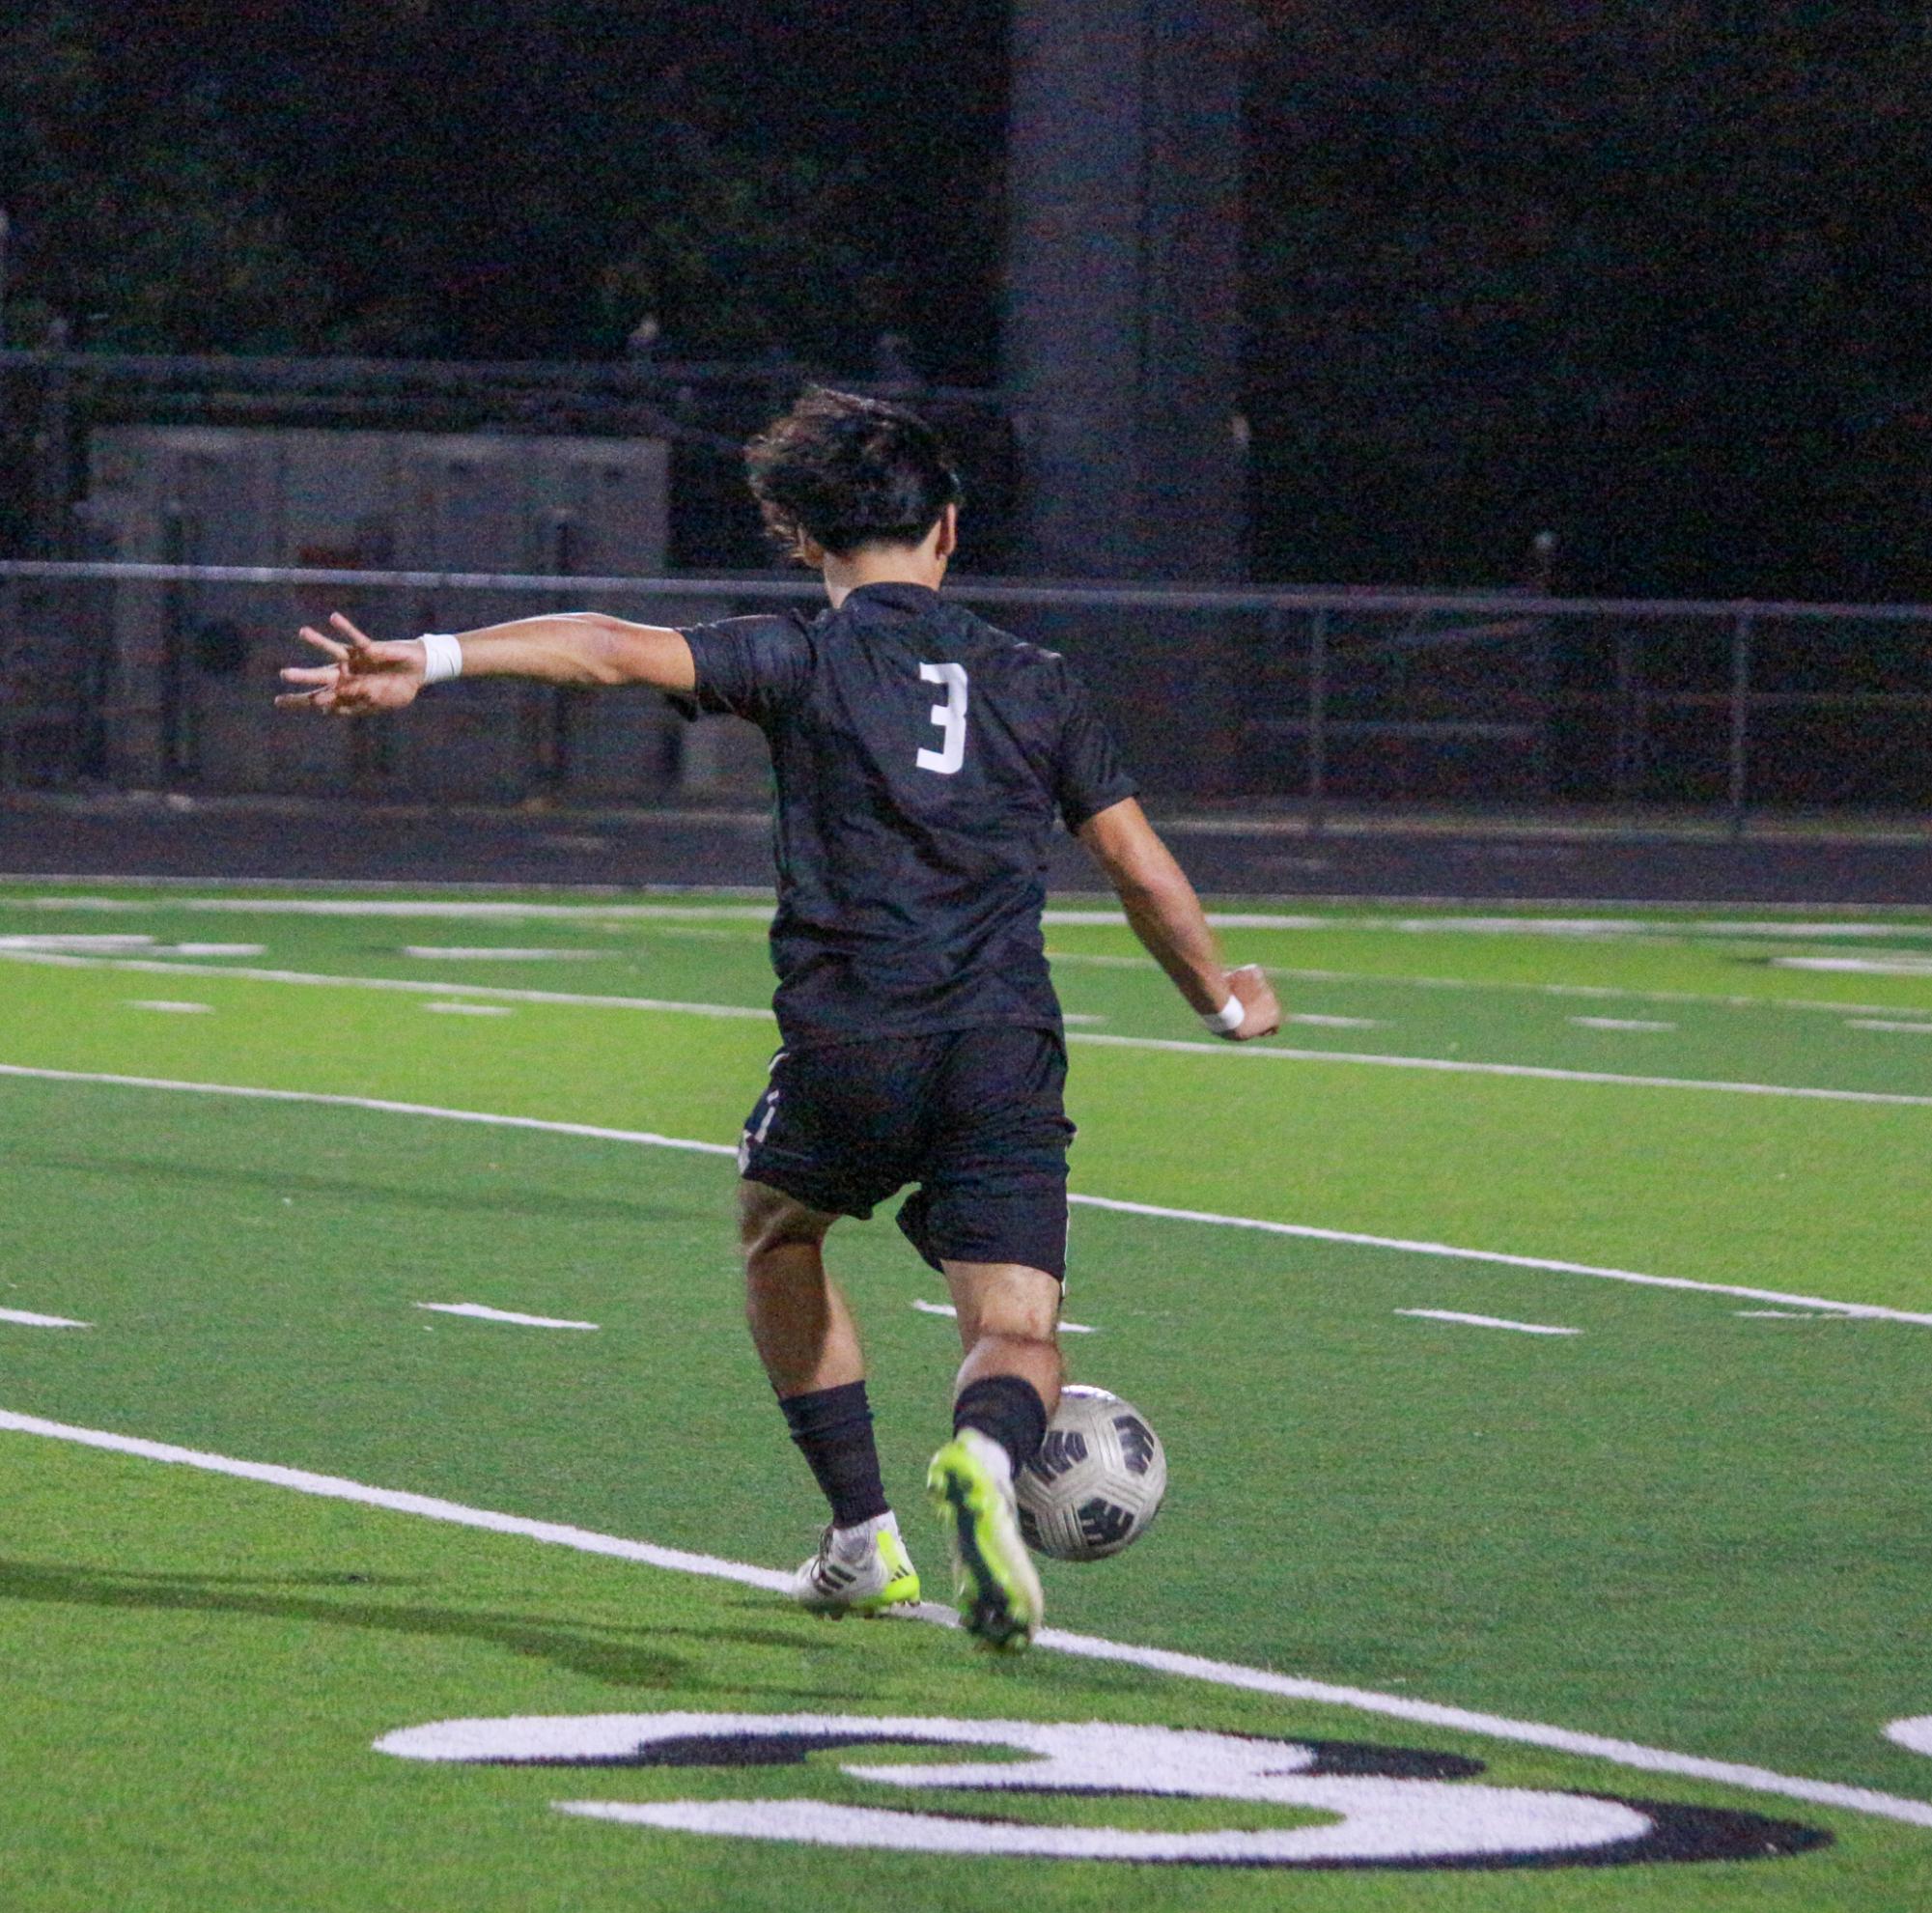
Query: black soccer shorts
point(975, 1118)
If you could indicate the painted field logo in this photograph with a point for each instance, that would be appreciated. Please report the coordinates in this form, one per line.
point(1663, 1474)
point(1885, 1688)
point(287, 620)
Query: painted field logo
point(1384, 1806)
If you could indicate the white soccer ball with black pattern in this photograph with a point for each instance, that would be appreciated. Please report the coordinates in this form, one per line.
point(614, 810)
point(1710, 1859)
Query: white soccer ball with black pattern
point(1096, 1483)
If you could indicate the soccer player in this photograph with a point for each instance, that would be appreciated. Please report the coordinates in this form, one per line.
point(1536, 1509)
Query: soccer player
point(922, 758)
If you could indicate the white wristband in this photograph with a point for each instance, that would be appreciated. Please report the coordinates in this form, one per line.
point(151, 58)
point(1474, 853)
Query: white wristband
point(1228, 1017)
point(442, 657)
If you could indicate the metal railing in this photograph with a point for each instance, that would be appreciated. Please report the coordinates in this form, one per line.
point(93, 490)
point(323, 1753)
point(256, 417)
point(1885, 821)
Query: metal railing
point(154, 674)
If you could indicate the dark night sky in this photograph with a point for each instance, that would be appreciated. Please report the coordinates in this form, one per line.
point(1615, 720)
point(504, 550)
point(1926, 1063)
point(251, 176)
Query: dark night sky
point(1648, 274)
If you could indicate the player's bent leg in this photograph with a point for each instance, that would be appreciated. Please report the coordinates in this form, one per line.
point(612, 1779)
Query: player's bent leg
point(807, 1341)
point(800, 1324)
point(1008, 1386)
point(1009, 1321)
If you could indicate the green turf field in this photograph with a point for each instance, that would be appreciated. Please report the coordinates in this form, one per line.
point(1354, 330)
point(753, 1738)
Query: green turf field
point(1697, 1523)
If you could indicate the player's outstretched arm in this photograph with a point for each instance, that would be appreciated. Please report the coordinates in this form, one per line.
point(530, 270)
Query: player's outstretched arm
point(1166, 917)
point(573, 647)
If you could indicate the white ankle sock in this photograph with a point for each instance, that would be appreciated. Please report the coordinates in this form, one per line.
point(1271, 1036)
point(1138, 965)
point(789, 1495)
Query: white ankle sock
point(858, 1538)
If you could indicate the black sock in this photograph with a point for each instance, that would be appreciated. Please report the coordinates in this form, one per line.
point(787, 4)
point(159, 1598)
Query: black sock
point(1006, 1410)
point(833, 1431)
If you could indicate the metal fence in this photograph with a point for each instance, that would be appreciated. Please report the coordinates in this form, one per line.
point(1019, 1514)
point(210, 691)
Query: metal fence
point(162, 676)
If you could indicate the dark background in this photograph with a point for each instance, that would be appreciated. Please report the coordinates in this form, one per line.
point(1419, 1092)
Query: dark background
point(1650, 277)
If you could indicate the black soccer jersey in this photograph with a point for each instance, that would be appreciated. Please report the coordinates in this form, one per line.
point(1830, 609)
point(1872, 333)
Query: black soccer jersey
point(921, 757)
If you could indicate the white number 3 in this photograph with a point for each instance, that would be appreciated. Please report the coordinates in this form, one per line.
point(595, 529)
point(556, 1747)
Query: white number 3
point(950, 716)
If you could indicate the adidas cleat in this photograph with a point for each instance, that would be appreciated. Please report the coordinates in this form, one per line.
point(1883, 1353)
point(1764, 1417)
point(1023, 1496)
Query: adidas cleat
point(864, 1572)
point(995, 1585)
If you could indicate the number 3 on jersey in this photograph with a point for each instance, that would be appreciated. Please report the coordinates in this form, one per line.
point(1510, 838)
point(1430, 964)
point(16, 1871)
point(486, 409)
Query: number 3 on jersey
point(950, 716)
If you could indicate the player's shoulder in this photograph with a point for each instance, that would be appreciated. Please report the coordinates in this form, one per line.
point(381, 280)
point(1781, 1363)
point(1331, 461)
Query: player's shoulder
point(999, 647)
point(790, 626)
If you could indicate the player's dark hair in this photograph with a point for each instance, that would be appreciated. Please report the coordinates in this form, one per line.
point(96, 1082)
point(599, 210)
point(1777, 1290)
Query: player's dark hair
point(846, 471)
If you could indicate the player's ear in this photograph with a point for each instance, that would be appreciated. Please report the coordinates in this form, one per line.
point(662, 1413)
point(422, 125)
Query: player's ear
point(809, 552)
point(948, 540)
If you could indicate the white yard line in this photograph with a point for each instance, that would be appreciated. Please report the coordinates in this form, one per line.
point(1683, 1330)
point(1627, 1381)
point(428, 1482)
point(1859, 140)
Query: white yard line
point(1180, 1046)
point(99, 945)
point(947, 1310)
point(1891, 1028)
point(1489, 1322)
point(170, 1006)
point(484, 953)
point(407, 985)
point(1307, 1231)
point(472, 1009)
point(1591, 927)
point(450, 910)
point(26, 1319)
point(1900, 965)
point(1620, 1022)
point(1595, 992)
point(1774, 1315)
point(1457, 1066)
point(383, 1105)
point(1628, 1754)
point(484, 1313)
point(1464, 923)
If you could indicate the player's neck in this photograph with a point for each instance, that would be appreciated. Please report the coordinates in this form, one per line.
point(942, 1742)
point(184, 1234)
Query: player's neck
point(924, 563)
point(845, 575)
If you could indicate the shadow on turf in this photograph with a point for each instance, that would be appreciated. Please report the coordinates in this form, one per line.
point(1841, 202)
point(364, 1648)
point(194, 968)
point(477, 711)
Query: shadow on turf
point(619, 1656)
point(467, 1200)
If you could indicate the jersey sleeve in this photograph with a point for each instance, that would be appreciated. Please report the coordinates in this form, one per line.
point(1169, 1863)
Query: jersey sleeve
point(751, 668)
point(1088, 776)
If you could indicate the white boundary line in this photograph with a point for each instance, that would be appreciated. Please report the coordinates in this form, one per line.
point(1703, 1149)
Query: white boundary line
point(169, 888)
point(484, 1313)
point(1171, 1045)
point(1597, 992)
point(1630, 1754)
point(409, 985)
point(1456, 1066)
point(27, 1319)
point(1489, 1322)
point(1472, 916)
point(381, 1104)
point(1872, 1311)
point(1308, 1231)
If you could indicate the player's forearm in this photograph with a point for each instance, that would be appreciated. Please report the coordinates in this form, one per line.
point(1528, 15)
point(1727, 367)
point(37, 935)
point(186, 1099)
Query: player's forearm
point(1160, 902)
point(1167, 917)
point(578, 648)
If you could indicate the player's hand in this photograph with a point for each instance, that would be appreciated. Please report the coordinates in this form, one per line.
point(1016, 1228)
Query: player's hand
point(361, 677)
point(1257, 998)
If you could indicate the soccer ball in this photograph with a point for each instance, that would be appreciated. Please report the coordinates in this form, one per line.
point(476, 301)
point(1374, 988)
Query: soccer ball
point(1096, 1483)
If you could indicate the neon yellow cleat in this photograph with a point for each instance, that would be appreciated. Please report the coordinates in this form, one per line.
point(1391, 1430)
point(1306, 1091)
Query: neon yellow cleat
point(995, 1586)
point(863, 1571)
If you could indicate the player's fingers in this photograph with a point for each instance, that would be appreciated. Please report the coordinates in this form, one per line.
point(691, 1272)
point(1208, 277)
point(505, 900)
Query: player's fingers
point(355, 637)
point(339, 652)
point(315, 674)
point(291, 701)
point(1247, 983)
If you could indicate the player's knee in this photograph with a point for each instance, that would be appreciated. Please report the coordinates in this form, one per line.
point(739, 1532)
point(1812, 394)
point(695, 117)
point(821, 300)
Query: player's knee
point(1040, 1344)
point(1012, 1304)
